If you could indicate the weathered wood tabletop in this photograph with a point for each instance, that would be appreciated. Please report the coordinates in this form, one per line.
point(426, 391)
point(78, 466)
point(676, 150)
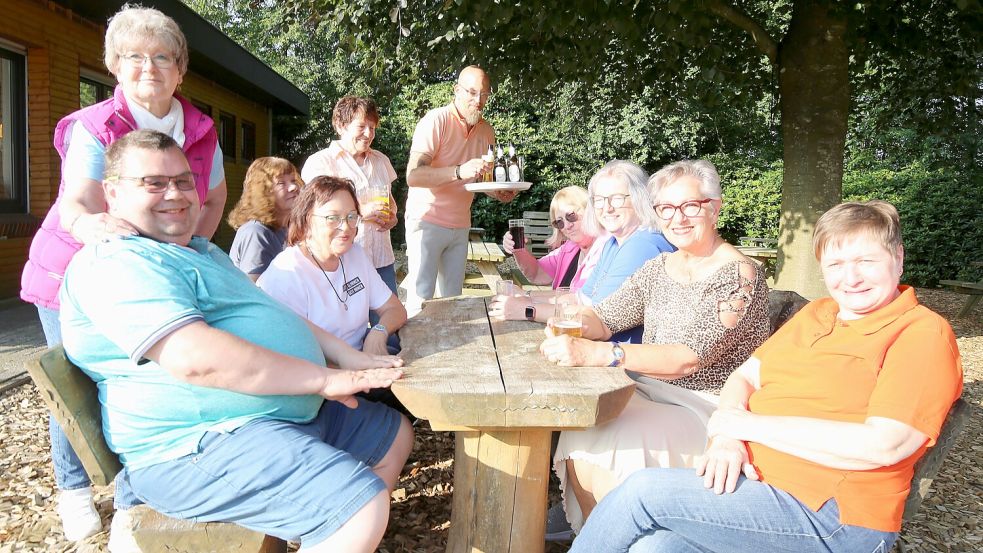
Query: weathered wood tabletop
point(486, 380)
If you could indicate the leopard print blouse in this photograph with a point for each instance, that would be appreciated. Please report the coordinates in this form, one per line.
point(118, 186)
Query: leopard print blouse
point(676, 313)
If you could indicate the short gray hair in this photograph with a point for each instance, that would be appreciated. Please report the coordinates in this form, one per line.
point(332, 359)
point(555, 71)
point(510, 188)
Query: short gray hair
point(134, 23)
point(701, 169)
point(634, 177)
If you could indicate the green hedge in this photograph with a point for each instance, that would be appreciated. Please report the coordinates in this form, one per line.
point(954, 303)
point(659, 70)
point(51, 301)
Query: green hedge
point(940, 209)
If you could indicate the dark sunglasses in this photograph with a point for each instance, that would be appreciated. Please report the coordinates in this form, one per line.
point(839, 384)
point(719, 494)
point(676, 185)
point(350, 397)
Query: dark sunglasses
point(571, 217)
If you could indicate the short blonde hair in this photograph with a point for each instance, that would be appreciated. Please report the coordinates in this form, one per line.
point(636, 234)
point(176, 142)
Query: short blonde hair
point(877, 219)
point(572, 195)
point(134, 24)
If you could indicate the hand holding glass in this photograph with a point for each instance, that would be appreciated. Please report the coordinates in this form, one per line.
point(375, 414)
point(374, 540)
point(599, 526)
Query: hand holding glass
point(374, 200)
point(517, 228)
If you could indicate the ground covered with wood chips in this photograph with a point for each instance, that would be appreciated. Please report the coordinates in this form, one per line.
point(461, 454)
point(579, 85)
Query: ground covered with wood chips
point(949, 521)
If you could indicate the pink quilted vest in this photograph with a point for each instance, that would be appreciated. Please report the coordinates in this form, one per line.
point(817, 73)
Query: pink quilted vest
point(53, 247)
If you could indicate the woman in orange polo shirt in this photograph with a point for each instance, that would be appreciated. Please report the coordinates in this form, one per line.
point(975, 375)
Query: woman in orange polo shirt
point(816, 436)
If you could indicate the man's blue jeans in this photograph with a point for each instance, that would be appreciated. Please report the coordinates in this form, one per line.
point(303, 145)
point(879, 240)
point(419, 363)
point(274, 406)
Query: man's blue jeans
point(69, 473)
point(669, 510)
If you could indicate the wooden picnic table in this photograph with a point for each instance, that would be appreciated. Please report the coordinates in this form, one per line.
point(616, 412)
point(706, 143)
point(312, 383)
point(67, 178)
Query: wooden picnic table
point(973, 290)
point(486, 380)
point(761, 250)
point(487, 256)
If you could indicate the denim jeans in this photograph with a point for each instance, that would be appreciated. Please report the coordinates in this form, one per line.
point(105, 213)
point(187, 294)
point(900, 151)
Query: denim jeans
point(388, 274)
point(669, 510)
point(69, 472)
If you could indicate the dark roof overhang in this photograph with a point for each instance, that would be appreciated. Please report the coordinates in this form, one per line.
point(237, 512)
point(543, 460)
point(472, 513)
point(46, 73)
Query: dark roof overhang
point(212, 55)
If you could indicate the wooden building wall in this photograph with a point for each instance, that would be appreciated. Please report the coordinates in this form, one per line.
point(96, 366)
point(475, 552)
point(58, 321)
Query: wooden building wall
point(58, 43)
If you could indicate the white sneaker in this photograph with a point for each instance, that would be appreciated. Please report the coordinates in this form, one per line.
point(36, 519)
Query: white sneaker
point(79, 518)
point(121, 533)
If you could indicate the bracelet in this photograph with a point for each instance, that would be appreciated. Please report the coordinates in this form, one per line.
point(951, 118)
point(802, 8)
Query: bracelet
point(457, 172)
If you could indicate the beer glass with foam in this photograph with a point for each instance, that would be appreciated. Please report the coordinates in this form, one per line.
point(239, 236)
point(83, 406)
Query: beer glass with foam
point(566, 313)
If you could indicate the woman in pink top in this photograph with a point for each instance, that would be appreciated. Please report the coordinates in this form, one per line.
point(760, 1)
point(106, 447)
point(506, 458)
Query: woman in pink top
point(569, 264)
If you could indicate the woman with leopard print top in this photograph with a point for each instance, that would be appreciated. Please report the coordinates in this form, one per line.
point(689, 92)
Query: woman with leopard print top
point(704, 310)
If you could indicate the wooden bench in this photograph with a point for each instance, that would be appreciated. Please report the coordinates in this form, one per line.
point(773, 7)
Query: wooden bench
point(927, 468)
point(538, 229)
point(973, 289)
point(72, 397)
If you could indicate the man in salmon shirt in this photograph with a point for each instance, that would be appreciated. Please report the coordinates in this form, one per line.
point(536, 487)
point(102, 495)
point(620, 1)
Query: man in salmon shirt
point(445, 155)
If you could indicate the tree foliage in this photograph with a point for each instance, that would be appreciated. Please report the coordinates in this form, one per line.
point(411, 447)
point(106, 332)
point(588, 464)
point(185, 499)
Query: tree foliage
point(579, 83)
point(714, 52)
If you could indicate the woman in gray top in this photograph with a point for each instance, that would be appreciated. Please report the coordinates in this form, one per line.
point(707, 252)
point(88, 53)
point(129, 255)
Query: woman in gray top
point(260, 218)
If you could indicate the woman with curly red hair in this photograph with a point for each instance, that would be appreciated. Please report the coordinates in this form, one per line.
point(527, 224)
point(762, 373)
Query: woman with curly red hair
point(260, 218)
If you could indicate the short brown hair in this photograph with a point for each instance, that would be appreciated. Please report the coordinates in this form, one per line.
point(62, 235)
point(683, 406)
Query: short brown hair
point(318, 191)
point(143, 139)
point(257, 203)
point(877, 219)
point(349, 107)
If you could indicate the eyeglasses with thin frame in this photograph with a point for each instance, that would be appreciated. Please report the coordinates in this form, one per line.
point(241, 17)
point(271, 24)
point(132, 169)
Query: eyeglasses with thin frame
point(614, 200)
point(475, 93)
point(158, 184)
point(160, 61)
point(691, 208)
point(571, 217)
point(334, 221)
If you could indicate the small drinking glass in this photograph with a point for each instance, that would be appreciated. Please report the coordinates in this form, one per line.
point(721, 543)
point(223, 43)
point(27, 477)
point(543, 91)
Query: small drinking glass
point(517, 228)
point(505, 288)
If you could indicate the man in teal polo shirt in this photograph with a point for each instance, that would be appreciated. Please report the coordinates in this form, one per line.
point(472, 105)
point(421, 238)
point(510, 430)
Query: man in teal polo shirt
point(213, 394)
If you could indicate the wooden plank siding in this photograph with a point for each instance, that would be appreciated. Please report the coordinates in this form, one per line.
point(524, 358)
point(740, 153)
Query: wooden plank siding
point(58, 43)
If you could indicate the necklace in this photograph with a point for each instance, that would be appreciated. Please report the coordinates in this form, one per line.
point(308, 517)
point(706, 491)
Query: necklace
point(344, 302)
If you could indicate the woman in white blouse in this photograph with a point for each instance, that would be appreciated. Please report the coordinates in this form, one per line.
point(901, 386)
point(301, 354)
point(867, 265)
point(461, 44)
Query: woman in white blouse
point(352, 157)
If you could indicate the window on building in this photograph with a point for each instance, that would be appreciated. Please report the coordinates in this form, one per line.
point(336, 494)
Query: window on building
point(248, 141)
point(202, 107)
point(13, 134)
point(227, 135)
point(92, 91)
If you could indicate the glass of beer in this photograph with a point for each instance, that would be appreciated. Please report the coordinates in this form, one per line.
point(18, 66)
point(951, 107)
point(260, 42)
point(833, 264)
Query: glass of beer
point(566, 314)
point(374, 197)
point(517, 228)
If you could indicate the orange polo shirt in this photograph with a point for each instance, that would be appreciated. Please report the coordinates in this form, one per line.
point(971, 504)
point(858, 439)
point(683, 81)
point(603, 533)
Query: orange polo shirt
point(444, 135)
point(900, 362)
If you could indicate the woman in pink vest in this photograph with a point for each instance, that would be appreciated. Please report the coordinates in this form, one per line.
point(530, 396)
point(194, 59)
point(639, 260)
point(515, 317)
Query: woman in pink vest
point(148, 54)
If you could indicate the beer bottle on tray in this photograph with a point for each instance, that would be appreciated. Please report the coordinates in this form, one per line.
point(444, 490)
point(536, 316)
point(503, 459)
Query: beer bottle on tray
point(501, 171)
point(514, 173)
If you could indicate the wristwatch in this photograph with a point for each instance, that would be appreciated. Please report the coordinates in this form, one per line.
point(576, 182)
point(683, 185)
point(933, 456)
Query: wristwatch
point(530, 313)
point(619, 355)
point(381, 328)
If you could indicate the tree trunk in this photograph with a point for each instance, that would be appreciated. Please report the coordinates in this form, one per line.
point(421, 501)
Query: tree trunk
point(814, 87)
